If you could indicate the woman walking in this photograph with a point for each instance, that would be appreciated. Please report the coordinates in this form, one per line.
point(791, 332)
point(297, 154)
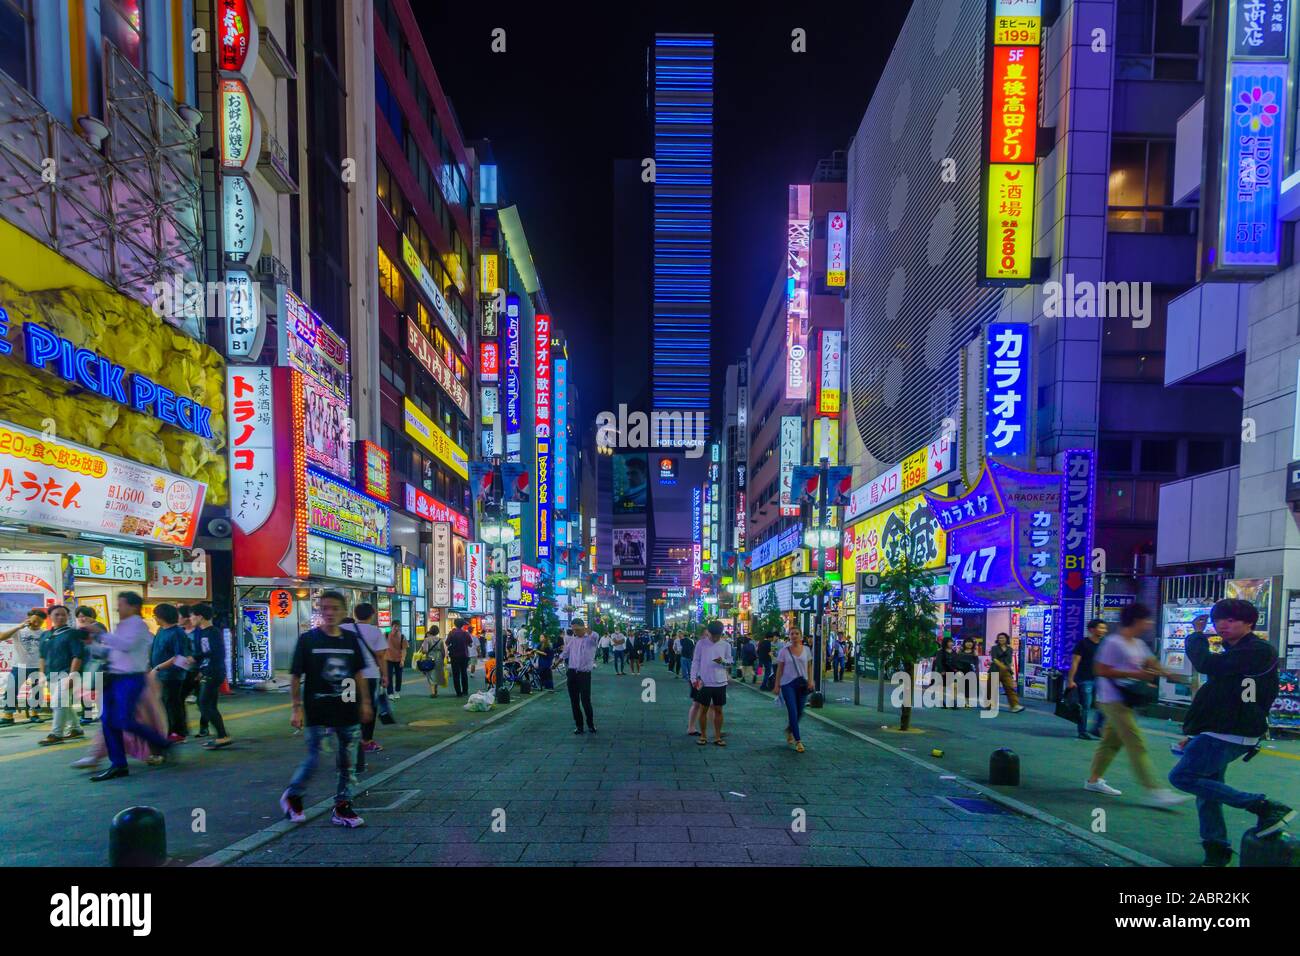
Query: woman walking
point(395, 659)
point(435, 658)
point(1004, 662)
point(792, 666)
point(945, 663)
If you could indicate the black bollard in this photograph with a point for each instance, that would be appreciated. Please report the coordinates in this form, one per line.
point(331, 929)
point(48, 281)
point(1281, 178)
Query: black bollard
point(1004, 768)
point(137, 837)
point(1276, 849)
point(525, 687)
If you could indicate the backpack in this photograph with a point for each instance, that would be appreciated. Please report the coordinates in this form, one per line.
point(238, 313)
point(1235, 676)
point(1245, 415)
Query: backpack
point(688, 647)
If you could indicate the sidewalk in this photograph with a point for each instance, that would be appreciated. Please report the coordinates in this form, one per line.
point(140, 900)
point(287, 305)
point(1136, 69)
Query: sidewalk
point(1054, 764)
point(54, 816)
point(528, 792)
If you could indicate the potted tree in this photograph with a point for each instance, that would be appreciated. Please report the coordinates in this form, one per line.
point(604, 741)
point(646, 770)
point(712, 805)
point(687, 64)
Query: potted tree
point(901, 629)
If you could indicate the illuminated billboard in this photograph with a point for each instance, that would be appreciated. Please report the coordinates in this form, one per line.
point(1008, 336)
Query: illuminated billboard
point(542, 422)
point(837, 249)
point(798, 232)
point(791, 448)
point(828, 383)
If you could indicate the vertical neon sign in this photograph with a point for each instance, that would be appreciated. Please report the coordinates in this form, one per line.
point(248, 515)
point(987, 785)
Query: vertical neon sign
point(561, 434)
point(542, 419)
point(1078, 499)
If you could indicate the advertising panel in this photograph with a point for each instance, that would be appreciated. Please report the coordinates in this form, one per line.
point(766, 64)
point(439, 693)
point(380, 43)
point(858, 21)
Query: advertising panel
point(561, 434)
point(328, 558)
point(828, 384)
point(1076, 550)
point(426, 282)
point(1007, 398)
point(71, 487)
point(837, 249)
point(440, 571)
point(338, 511)
point(791, 451)
point(251, 427)
point(114, 564)
point(422, 428)
point(926, 464)
point(376, 470)
point(1255, 151)
point(513, 384)
point(880, 542)
point(489, 361)
point(798, 233)
point(418, 344)
point(631, 484)
point(431, 509)
point(313, 348)
point(183, 580)
point(327, 429)
point(629, 547)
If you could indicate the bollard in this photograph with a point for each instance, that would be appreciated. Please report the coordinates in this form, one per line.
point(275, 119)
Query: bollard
point(524, 687)
point(137, 837)
point(1004, 768)
point(1276, 849)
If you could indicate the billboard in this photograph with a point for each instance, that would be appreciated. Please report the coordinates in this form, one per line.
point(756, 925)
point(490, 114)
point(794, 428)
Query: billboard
point(880, 542)
point(629, 547)
point(926, 464)
point(561, 475)
point(1007, 396)
point(422, 428)
point(837, 249)
point(513, 385)
point(337, 510)
point(543, 420)
point(327, 428)
point(828, 383)
point(798, 233)
point(1255, 155)
point(791, 451)
point(631, 485)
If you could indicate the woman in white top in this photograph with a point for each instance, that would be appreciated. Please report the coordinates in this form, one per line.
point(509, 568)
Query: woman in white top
point(793, 665)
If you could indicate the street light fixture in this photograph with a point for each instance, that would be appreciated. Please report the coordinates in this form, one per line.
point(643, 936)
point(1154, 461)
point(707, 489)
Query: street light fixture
point(589, 599)
point(736, 587)
point(821, 538)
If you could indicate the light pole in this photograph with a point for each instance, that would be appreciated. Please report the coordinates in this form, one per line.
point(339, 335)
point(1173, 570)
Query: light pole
point(820, 537)
point(498, 532)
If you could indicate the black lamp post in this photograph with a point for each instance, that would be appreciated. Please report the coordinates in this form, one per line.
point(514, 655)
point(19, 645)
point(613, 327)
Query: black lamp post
point(820, 537)
point(498, 532)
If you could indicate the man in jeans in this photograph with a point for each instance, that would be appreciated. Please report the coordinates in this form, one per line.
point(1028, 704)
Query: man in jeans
point(127, 649)
point(1081, 677)
point(1226, 720)
point(580, 655)
point(27, 639)
point(169, 644)
point(330, 696)
point(63, 655)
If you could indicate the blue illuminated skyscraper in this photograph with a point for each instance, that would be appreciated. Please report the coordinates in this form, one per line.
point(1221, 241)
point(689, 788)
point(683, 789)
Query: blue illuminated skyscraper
point(682, 275)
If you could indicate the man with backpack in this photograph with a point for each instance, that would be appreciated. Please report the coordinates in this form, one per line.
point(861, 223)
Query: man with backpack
point(1227, 719)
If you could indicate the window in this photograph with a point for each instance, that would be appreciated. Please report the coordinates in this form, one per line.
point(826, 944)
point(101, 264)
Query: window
point(1151, 42)
point(122, 24)
point(16, 41)
point(387, 103)
point(1204, 455)
point(1141, 174)
point(391, 281)
point(1160, 455)
point(1116, 454)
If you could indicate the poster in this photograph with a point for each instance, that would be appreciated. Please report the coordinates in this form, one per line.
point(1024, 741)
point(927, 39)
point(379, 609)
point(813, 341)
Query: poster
point(337, 510)
point(630, 483)
point(257, 641)
point(629, 547)
point(327, 429)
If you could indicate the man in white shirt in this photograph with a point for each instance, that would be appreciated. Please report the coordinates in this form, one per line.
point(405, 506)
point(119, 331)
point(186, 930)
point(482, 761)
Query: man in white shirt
point(579, 655)
point(376, 643)
point(604, 645)
point(26, 665)
point(127, 648)
point(710, 666)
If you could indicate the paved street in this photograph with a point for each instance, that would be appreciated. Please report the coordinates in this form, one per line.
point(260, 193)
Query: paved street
point(642, 793)
point(45, 801)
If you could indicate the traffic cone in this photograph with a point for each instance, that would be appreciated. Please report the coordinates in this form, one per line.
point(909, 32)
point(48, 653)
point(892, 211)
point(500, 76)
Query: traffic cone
point(225, 688)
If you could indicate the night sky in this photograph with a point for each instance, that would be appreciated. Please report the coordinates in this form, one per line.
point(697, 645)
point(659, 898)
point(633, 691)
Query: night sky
point(569, 96)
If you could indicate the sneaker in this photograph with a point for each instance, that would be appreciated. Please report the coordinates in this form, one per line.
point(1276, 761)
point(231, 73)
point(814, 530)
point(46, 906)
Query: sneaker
point(1272, 817)
point(371, 747)
point(1165, 798)
point(176, 738)
point(1216, 854)
point(1177, 749)
point(49, 739)
point(155, 760)
point(395, 696)
point(84, 762)
point(1101, 786)
point(798, 746)
point(1018, 708)
point(345, 816)
point(291, 804)
point(1085, 736)
point(73, 734)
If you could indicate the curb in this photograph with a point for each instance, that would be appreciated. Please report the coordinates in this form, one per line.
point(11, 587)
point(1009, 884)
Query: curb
point(264, 836)
point(1110, 846)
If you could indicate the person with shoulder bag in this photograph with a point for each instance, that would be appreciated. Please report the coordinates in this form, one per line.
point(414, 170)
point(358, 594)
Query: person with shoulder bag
point(433, 662)
point(792, 665)
point(1126, 671)
point(1224, 723)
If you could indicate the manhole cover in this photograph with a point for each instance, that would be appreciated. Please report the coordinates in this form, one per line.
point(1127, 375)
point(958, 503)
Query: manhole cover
point(973, 805)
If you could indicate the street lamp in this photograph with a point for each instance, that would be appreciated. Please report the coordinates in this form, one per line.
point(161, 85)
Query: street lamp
point(495, 530)
point(589, 598)
point(736, 587)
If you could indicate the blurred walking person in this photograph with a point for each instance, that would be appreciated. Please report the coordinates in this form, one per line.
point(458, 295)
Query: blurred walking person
point(168, 661)
point(209, 648)
point(434, 664)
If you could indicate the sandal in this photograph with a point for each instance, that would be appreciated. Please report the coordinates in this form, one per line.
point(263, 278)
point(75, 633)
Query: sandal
point(720, 742)
point(702, 742)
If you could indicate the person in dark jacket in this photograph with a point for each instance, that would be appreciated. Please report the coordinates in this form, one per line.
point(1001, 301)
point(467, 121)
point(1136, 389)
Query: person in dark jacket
point(1004, 663)
point(945, 663)
point(765, 663)
point(210, 658)
point(167, 659)
point(1227, 719)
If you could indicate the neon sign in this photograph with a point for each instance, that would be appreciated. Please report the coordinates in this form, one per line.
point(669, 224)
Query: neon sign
point(1006, 389)
point(798, 233)
point(50, 352)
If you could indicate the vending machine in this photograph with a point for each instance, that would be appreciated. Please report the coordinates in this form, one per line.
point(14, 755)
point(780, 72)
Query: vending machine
point(1176, 624)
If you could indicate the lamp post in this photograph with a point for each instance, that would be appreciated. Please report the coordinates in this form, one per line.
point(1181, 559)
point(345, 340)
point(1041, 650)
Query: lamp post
point(497, 532)
point(820, 537)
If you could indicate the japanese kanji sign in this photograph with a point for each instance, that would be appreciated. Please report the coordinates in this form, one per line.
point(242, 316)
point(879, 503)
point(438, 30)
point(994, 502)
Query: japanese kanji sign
point(1007, 353)
point(250, 427)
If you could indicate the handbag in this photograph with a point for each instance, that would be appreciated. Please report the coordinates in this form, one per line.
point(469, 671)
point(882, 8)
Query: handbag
point(424, 665)
point(1136, 693)
point(383, 706)
point(1068, 707)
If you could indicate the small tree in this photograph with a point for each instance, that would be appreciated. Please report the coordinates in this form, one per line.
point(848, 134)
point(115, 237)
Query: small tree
point(543, 621)
point(768, 621)
point(901, 628)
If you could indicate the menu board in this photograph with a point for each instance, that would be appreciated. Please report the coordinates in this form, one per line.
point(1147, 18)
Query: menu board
point(68, 486)
point(114, 564)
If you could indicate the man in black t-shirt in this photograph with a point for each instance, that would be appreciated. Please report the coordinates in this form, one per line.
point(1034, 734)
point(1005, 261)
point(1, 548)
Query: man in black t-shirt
point(1082, 677)
point(329, 696)
point(458, 646)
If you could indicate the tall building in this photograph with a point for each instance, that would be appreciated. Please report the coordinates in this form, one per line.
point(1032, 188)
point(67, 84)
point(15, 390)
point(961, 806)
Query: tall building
point(682, 270)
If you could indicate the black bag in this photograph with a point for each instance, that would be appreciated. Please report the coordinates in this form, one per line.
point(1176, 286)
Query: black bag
point(1068, 707)
point(1136, 693)
point(424, 665)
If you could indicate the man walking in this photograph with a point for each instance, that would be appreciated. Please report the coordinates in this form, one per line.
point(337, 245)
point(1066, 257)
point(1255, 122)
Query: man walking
point(458, 651)
point(127, 648)
point(765, 662)
point(748, 658)
point(580, 655)
point(685, 651)
point(63, 655)
point(710, 666)
point(605, 643)
point(329, 697)
point(167, 657)
point(376, 646)
point(1081, 677)
point(209, 648)
point(1226, 720)
point(26, 666)
point(618, 640)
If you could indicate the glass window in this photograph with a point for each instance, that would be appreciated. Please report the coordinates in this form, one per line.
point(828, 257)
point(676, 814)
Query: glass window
point(1204, 455)
point(1115, 454)
point(1139, 189)
point(122, 24)
point(1159, 455)
point(1151, 42)
point(16, 41)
